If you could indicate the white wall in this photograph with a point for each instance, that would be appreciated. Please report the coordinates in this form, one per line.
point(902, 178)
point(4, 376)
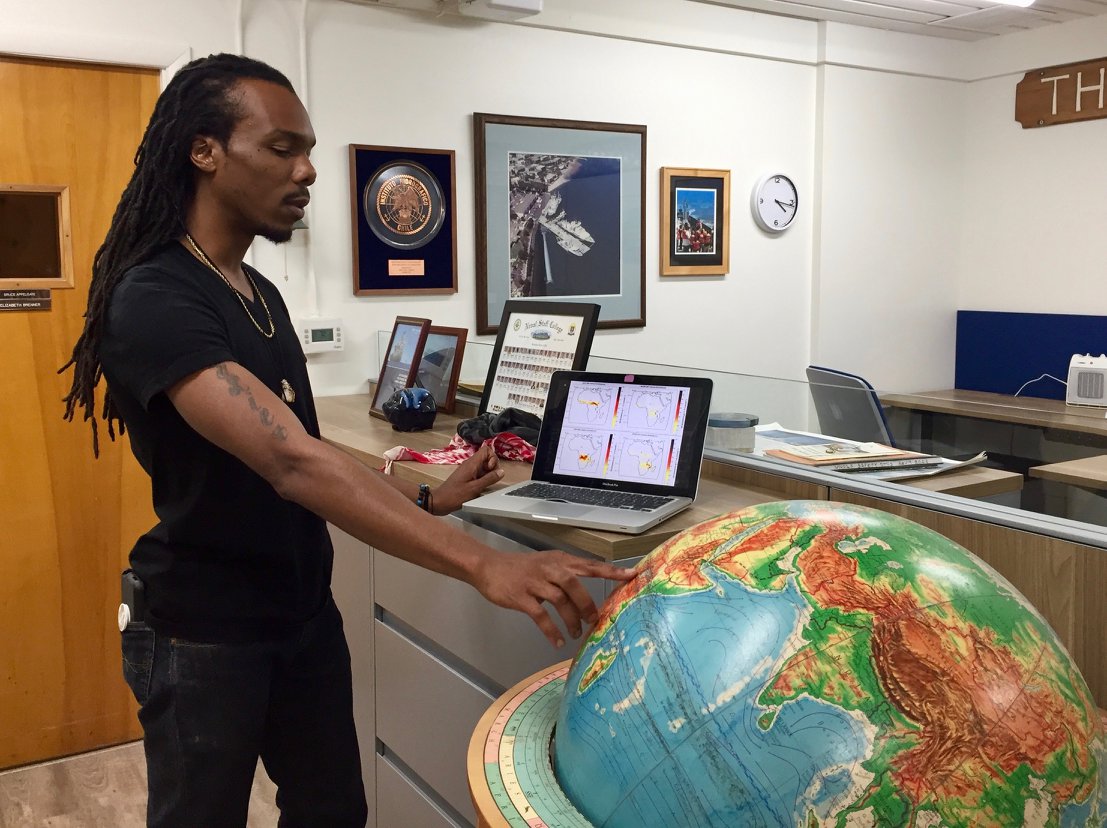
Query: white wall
point(1035, 200)
point(886, 263)
point(702, 109)
point(922, 195)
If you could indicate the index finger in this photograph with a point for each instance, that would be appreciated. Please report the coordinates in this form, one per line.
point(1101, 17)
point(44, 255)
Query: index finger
point(597, 569)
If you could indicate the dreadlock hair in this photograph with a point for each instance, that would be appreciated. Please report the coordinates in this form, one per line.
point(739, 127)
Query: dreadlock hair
point(199, 100)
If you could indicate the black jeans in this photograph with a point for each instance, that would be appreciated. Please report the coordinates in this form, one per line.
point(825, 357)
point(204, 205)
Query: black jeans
point(208, 711)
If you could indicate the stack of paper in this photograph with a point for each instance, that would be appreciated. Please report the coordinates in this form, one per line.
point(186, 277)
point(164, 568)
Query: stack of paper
point(847, 456)
point(870, 459)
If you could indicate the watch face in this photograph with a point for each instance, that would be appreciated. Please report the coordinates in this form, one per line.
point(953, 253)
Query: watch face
point(403, 205)
point(775, 203)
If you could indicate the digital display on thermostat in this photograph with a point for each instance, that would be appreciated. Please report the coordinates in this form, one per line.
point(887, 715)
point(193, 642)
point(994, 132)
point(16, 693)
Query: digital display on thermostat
point(322, 334)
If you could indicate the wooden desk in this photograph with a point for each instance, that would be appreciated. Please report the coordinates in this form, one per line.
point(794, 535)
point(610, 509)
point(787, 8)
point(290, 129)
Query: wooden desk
point(1089, 472)
point(1004, 408)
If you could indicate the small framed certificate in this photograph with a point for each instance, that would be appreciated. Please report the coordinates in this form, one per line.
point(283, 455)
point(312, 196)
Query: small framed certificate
point(534, 340)
point(403, 216)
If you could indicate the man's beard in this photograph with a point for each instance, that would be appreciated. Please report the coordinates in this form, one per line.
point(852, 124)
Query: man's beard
point(277, 235)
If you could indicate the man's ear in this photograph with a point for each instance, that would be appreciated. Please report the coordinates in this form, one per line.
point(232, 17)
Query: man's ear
point(205, 152)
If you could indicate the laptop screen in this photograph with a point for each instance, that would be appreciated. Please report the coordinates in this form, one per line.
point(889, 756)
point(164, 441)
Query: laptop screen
point(624, 431)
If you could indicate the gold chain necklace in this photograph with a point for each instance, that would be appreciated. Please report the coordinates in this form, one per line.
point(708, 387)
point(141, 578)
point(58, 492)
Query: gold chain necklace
point(288, 394)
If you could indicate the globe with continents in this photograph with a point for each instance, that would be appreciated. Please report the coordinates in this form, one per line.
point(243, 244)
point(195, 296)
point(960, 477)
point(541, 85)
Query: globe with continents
point(815, 664)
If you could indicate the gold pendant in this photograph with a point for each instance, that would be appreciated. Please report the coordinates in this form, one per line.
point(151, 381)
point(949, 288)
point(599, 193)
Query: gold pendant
point(287, 394)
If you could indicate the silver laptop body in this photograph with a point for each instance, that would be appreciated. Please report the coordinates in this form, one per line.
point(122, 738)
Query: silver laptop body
point(617, 452)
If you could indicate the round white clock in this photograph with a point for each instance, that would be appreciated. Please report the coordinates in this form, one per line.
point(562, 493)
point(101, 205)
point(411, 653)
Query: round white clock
point(774, 203)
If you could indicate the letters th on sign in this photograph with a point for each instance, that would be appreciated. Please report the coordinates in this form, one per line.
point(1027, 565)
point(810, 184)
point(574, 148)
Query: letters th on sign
point(1062, 94)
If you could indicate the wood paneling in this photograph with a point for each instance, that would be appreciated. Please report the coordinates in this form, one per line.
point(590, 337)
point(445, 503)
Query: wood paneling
point(68, 520)
point(1065, 581)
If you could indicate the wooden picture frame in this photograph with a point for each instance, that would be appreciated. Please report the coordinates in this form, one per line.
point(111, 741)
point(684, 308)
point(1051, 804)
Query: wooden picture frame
point(561, 216)
point(440, 365)
point(36, 235)
point(695, 222)
point(401, 360)
point(404, 220)
point(535, 339)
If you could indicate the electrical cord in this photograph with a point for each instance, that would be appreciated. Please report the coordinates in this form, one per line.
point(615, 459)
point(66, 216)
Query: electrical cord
point(1043, 376)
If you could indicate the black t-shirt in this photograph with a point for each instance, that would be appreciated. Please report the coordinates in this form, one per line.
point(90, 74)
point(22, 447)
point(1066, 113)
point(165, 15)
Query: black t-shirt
point(229, 560)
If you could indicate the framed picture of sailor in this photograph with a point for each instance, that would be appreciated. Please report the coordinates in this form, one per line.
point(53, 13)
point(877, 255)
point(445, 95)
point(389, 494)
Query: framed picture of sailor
point(403, 215)
point(695, 222)
point(560, 216)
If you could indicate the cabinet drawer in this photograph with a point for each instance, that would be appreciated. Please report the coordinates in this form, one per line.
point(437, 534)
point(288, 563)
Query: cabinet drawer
point(503, 645)
point(426, 714)
point(401, 805)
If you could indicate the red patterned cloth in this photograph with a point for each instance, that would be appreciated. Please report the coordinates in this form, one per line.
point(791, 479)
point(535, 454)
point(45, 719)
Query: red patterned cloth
point(506, 445)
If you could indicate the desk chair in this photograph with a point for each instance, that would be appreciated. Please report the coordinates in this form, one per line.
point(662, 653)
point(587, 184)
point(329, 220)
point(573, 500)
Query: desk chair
point(847, 406)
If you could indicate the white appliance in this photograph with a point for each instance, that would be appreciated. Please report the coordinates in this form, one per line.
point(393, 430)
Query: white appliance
point(318, 335)
point(1087, 380)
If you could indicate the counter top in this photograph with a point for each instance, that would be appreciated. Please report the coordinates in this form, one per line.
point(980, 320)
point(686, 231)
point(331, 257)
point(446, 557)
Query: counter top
point(345, 423)
point(1089, 472)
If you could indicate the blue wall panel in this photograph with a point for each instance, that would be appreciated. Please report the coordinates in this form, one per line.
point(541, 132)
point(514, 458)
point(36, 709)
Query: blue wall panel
point(999, 351)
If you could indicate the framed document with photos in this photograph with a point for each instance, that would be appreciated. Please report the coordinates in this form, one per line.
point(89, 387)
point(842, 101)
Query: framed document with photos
point(534, 340)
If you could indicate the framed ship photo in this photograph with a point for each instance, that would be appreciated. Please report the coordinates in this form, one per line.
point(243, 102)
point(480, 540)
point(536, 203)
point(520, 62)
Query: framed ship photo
point(440, 365)
point(560, 216)
point(400, 364)
point(695, 222)
point(404, 226)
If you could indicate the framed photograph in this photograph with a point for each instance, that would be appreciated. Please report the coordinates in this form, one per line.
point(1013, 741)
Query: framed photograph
point(401, 359)
point(560, 216)
point(535, 339)
point(695, 222)
point(404, 220)
point(441, 364)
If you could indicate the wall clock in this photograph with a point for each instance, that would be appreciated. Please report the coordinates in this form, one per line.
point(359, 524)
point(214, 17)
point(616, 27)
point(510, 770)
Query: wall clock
point(774, 203)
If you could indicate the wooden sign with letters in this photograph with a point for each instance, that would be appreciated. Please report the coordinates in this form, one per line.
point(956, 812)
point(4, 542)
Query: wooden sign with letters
point(1062, 94)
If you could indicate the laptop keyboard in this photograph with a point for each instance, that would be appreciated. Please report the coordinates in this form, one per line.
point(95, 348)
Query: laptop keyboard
point(592, 497)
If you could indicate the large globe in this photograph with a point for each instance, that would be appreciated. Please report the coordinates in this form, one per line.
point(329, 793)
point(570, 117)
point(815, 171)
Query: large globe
point(815, 664)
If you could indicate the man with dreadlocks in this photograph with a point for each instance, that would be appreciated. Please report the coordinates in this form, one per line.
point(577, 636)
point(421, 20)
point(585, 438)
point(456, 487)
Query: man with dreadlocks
point(241, 653)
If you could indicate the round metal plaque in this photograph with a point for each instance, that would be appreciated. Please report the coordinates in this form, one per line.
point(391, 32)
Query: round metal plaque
point(403, 205)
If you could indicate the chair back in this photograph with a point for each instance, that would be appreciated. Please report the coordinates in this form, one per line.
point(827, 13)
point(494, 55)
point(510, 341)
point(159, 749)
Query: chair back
point(847, 406)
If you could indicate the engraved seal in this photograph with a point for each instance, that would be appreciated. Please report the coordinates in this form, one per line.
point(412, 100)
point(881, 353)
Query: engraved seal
point(403, 205)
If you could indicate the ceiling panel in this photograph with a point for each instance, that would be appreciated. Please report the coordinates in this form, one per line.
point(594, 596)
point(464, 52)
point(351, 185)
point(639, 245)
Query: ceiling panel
point(954, 19)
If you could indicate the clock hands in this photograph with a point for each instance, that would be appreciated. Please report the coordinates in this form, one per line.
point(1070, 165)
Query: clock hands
point(784, 205)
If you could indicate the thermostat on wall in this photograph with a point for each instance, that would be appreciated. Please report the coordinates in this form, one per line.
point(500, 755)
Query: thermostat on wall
point(318, 334)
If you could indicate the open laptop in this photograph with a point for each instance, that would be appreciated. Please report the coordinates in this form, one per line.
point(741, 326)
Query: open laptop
point(619, 452)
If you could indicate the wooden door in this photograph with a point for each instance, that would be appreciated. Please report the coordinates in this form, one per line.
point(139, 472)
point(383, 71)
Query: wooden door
point(67, 521)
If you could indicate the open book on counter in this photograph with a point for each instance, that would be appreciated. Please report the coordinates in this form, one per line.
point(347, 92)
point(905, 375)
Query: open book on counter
point(834, 454)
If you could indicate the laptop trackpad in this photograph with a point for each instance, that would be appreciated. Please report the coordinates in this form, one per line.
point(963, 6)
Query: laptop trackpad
point(554, 508)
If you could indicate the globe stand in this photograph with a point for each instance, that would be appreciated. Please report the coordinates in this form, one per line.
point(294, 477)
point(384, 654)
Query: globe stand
point(511, 780)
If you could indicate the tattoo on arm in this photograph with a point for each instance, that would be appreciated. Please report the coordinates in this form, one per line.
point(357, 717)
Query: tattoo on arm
point(235, 388)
